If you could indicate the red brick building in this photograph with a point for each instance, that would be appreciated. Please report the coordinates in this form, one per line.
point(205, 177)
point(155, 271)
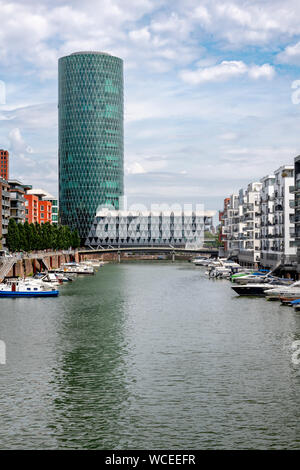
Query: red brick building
point(37, 210)
point(31, 208)
point(45, 212)
point(4, 164)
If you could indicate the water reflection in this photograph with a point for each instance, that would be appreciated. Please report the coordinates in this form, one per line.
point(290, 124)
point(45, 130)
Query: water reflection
point(91, 375)
point(147, 355)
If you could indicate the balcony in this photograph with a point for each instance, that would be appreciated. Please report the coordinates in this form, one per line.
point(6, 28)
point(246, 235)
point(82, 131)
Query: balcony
point(5, 202)
point(17, 197)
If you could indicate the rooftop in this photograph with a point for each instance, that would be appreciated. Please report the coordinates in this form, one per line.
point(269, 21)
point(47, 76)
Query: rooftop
point(105, 212)
point(90, 52)
point(40, 192)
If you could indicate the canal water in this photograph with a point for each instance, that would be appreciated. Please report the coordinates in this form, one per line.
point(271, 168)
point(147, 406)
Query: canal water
point(149, 356)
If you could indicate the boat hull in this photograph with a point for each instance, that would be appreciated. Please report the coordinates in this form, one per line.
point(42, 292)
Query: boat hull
point(257, 291)
point(287, 300)
point(52, 293)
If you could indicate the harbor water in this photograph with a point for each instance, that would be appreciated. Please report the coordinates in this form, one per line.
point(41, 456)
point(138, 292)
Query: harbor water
point(149, 355)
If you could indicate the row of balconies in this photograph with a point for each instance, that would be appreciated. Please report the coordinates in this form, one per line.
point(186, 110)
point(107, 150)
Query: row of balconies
point(274, 235)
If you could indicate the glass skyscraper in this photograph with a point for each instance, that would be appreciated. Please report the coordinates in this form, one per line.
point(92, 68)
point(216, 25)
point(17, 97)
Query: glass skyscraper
point(91, 148)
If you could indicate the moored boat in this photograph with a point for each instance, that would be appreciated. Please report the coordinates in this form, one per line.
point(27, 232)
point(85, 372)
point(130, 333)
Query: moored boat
point(25, 288)
point(74, 268)
point(291, 291)
point(258, 289)
point(296, 304)
point(287, 301)
point(201, 261)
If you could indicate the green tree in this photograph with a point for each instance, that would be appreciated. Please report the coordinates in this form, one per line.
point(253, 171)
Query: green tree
point(75, 239)
point(36, 236)
point(12, 238)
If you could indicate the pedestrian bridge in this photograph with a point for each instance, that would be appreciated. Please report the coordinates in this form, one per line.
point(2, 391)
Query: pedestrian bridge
point(150, 249)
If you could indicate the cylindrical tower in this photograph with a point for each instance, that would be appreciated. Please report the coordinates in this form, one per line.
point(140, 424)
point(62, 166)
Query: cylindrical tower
point(91, 147)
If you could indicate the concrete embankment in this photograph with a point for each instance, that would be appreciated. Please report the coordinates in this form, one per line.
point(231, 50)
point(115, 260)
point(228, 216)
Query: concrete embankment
point(32, 263)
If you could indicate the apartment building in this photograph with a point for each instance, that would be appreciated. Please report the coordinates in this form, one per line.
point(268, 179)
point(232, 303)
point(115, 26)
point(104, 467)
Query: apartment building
point(284, 214)
point(250, 250)
point(4, 210)
point(297, 209)
point(17, 191)
point(31, 208)
point(278, 218)
point(267, 219)
point(262, 223)
point(222, 217)
point(4, 164)
point(242, 223)
point(232, 220)
point(47, 206)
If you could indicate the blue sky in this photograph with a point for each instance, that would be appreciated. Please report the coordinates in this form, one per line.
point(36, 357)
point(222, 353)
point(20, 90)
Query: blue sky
point(209, 104)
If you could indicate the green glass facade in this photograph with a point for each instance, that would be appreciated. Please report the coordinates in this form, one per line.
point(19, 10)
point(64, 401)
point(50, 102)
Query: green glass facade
point(91, 147)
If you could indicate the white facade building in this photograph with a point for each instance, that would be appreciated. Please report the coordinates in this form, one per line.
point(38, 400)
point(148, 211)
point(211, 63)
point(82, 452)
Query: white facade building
point(250, 252)
point(267, 217)
point(232, 220)
point(260, 222)
point(146, 228)
point(284, 214)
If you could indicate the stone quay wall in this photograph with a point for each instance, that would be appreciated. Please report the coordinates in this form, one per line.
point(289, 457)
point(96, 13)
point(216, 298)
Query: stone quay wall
point(33, 263)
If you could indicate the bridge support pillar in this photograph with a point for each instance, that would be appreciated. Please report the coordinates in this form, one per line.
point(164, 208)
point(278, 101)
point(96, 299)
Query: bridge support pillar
point(119, 257)
point(173, 256)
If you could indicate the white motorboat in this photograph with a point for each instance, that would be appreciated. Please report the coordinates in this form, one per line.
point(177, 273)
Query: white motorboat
point(201, 261)
point(52, 279)
point(26, 288)
point(222, 268)
point(219, 272)
point(291, 291)
point(95, 263)
point(251, 278)
point(259, 289)
point(76, 268)
point(61, 277)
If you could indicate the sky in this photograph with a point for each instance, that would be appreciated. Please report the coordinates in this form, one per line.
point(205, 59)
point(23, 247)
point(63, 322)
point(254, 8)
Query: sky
point(212, 90)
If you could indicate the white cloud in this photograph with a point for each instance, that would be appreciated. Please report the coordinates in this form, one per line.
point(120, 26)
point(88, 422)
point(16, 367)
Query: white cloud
point(226, 70)
point(201, 13)
point(179, 139)
point(261, 71)
point(290, 55)
point(228, 136)
point(140, 35)
point(17, 143)
point(134, 168)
